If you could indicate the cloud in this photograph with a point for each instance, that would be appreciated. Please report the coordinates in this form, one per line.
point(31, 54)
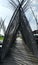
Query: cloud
point(34, 1)
point(5, 13)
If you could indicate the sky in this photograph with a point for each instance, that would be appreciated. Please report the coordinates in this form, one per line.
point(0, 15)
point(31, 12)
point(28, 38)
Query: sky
point(7, 10)
point(29, 14)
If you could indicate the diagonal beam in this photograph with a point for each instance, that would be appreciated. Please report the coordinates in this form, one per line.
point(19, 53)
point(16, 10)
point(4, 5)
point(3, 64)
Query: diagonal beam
point(18, 8)
point(22, 3)
point(3, 22)
point(10, 34)
point(12, 4)
point(33, 14)
point(28, 35)
point(26, 5)
point(12, 18)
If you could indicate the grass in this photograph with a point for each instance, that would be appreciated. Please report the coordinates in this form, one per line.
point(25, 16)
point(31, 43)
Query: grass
point(1, 37)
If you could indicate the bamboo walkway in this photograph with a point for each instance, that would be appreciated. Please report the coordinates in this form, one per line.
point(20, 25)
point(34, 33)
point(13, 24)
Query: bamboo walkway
point(20, 55)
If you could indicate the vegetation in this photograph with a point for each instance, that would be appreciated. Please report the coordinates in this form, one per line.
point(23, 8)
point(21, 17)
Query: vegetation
point(1, 37)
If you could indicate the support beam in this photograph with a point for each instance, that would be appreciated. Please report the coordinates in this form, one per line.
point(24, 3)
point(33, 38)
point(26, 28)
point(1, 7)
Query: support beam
point(28, 35)
point(10, 36)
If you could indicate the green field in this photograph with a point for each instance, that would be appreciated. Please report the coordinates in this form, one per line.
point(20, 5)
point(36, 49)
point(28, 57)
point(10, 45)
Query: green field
point(1, 37)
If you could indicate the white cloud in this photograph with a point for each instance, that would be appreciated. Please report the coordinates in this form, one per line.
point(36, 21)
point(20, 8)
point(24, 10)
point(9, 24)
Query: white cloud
point(34, 1)
point(5, 12)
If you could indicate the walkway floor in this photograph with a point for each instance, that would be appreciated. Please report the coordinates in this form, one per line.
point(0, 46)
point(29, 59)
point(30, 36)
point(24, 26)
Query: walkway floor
point(20, 55)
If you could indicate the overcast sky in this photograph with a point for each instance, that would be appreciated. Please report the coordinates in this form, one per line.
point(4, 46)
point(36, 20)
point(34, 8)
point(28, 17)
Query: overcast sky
point(29, 14)
point(6, 11)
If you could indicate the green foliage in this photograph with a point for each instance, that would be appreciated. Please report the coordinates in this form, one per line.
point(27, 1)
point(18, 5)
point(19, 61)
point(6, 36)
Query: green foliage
point(1, 37)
